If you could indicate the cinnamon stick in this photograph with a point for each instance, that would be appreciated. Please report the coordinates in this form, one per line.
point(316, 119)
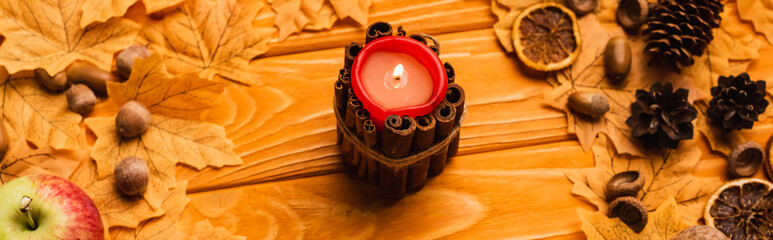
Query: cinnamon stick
point(377, 30)
point(371, 139)
point(347, 149)
point(361, 115)
point(450, 72)
point(423, 138)
point(398, 135)
point(455, 96)
point(345, 78)
point(393, 180)
point(350, 53)
point(445, 115)
point(341, 97)
point(418, 37)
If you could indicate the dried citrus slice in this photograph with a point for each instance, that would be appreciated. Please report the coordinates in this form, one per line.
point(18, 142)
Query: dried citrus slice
point(546, 36)
point(742, 209)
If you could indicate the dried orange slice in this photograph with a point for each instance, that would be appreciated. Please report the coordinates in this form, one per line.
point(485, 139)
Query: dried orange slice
point(742, 209)
point(546, 36)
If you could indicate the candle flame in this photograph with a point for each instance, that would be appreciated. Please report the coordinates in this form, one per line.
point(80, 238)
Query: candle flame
point(398, 74)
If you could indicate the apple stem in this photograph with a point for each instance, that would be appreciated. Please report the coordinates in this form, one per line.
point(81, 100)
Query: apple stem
point(25, 209)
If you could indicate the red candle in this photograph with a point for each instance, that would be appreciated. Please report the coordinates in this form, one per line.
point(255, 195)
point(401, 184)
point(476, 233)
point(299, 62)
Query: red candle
point(398, 75)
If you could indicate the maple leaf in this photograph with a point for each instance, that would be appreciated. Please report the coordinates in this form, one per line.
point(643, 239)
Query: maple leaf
point(174, 203)
point(210, 37)
point(22, 160)
point(167, 141)
point(719, 139)
point(666, 172)
point(35, 114)
point(356, 9)
point(758, 12)
point(115, 208)
point(587, 75)
point(100, 10)
point(663, 224)
point(294, 15)
point(186, 96)
point(47, 34)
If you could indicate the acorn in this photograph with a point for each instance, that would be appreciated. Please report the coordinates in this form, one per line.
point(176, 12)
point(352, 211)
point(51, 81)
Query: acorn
point(588, 103)
point(702, 232)
point(89, 75)
point(57, 83)
point(132, 120)
point(125, 60)
point(617, 59)
point(81, 99)
point(631, 14)
point(745, 160)
point(131, 176)
point(582, 7)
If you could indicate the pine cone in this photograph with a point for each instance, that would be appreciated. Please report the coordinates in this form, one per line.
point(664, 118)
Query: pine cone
point(661, 118)
point(737, 102)
point(679, 29)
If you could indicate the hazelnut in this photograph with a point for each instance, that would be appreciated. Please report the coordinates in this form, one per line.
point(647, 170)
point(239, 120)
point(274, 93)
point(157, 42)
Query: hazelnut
point(131, 176)
point(745, 160)
point(132, 120)
point(81, 99)
point(125, 60)
point(631, 14)
point(700, 232)
point(588, 103)
point(581, 7)
point(89, 75)
point(631, 211)
point(617, 59)
point(57, 83)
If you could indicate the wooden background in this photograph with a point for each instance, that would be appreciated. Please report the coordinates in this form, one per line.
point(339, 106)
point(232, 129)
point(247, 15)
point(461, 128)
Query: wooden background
point(507, 181)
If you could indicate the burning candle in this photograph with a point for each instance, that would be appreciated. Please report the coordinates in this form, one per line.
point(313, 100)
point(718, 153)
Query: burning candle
point(398, 75)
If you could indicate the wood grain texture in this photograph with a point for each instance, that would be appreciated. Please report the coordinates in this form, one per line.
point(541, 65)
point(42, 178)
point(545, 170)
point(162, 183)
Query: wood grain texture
point(506, 182)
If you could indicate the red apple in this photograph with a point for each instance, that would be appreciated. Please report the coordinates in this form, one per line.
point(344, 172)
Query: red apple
point(58, 210)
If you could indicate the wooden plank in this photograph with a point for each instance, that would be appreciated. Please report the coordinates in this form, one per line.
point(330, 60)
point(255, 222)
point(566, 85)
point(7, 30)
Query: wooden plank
point(427, 16)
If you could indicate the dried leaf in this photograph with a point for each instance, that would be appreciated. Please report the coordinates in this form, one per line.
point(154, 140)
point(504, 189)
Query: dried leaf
point(35, 114)
point(174, 203)
point(758, 12)
point(186, 96)
point(47, 34)
point(22, 160)
point(719, 139)
point(587, 75)
point(210, 37)
point(167, 141)
point(100, 10)
point(356, 9)
point(667, 173)
point(205, 230)
point(292, 16)
point(663, 224)
point(115, 208)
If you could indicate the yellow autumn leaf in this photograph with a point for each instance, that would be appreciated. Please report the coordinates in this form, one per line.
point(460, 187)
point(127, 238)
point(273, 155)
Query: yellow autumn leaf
point(167, 141)
point(758, 12)
point(47, 34)
point(587, 75)
point(719, 139)
point(115, 208)
point(292, 16)
point(102, 10)
point(22, 160)
point(210, 37)
point(37, 115)
point(186, 96)
point(663, 224)
point(163, 227)
point(356, 9)
point(667, 173)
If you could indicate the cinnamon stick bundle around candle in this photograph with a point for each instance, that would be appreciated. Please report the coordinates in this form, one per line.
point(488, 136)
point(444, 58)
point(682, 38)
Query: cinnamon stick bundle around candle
point(450, 72)
point(423, 138)
point(371, 140)
point(445, 115)
point(393, 180)
point(398, 135)
point(350, 53)
point(347, 150)
point(455, 97)
point(377, 30)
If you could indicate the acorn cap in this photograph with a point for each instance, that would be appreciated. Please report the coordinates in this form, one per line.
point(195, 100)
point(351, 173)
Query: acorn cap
point(745, 159)
point(624, 184)
point(631, 211)
point(591, 104)
point(631, 14)
point(582, 7)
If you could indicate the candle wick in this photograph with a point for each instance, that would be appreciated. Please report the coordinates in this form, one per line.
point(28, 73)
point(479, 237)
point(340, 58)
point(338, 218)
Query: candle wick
point(397, 74)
